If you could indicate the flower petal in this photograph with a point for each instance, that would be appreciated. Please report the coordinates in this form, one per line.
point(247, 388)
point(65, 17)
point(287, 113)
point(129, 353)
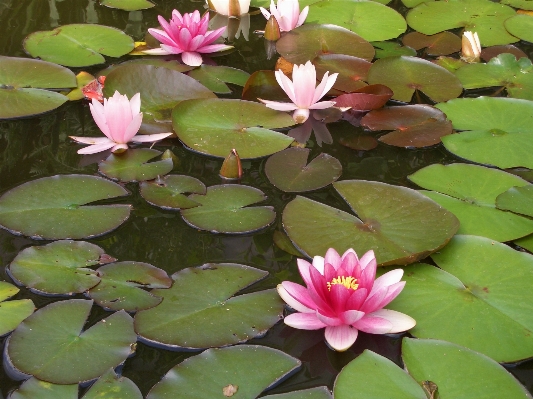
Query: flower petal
point(296, 297)
point(148, 138)
point(387, 279)
point(191, 58)
point(341, 338)
point(351, 316)
point(91, 140)
point(333, 258)
point(93, 149)
point(279, 106)
point(329, 320)
point(400, 321)
point(373, 324)
point(304, 321)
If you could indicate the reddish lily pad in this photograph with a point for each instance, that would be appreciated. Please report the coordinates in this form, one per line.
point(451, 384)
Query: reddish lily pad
point(168, 192)
point(490, 52)
point(132, 165)
point(366, 98)
point(353, 71)
point(12, 312)
point(414, 125)
point(404, 75)
point(360, 142)
point(443, 43)
point(289, 171)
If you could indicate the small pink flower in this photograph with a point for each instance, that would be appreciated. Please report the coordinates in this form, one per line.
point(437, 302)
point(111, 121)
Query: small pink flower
point(187, 35)
point(344, 296)
point(119, 119)
point(287, 13)
point(301, 90)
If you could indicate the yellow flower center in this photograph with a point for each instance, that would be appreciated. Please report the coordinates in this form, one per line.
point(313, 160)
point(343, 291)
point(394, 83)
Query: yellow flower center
point(349, 282)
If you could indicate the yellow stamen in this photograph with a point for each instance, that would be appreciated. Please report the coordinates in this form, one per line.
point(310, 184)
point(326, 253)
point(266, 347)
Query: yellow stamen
point(349, 282)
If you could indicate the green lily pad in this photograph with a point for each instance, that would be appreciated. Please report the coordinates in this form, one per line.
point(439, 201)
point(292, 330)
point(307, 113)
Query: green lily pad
point(521, 25)
point(61, 267)
point(392, 49)
point(22, 82)
point(132, 165)
point(525, 242)
point(263, 84)
point(78, 45)
point(12, 312)
point(405, 74)
point(110, 385)
point(517, 200)
point(216, 77)
point(369, 19)
point(232, 124)
point(56, 330)
point(470, 191)
point(122, 283)
point(127, 5)
point(399, 224)
point(311, 393)
point(168, 192)
point(52, 208)
point(443, 43)
point(371, 376)
point(224, 209)
point(235, 366)
point(456, 371)
point(289, 171)
point(201, 311)
point(310, 41)
point(34, 388)
point(447, 302)
point(481, 16)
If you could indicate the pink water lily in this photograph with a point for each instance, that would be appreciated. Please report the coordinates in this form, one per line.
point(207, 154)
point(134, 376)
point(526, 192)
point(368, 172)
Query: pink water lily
point(187, 35)
point(119, 119)
point(344, 297)
point(302, 92)
point(287, 13)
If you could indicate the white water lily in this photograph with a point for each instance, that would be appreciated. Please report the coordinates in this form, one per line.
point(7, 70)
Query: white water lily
point(471, 47)
point(232, 8)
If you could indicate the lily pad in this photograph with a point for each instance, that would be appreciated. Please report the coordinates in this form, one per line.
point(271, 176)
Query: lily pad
point(456, 370)
point(122, 283)
point(263, 84)
point(310, 41)
point(22, 82)
point(392, 49)
point(405, 74)
point(470, 191)
point(525, 242)
point(168, 192)
point(369, 19)
point(201, 311)
point(216, 77)
point(289, 171)
point(236, 366)
point(517, 200)
point(490, 52)
point(61, 267)
point(443, 43)
point(12, 312)
point(353, 71)
point(232, 124)
point(110, 385)
point(53, 208)
point(399, 224)
point(481, 16)
point(127, 5)
point(414, 125)
point(78, 45)
point(521, 25)
point(34, 388)
point(366, 98)
point(132, 165)
point(311, 393)
point(56, 330)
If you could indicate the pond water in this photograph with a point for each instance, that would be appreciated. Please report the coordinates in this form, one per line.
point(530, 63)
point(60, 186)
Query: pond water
point(39, 147)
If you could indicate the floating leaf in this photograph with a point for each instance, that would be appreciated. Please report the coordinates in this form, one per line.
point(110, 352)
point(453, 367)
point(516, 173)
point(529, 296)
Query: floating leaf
point(110, 385)
point(61, 267)
point(521, 26)
point(168, 192)
point(490, 52)
point(12, 312)
point(52, 208)
point(56, 330)
point(399, 224)
point(121, 286)
point(263, 84)
point(78, 45)
point(525, 242)
point(201, 311)
point(414, 125)
point(22, 82)
point(359, 142)
point(517, 199)
point(366, 98)
point(444, 43)
point(283, 242)
point(369, 19)
point(236, 365)
point(289, 171)
point(132, 165)
point(224, 209)
point(404, 75)
point(216, 77)
point(353, 71)
point(470, 191)
point(232, 124)
point(392, 49)
point(310, 41)
point(311, 393)
point(127, 5)
point(34, 388)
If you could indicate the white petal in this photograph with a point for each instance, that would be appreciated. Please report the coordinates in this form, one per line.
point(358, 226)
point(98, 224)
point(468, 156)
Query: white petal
point(279, 106)
point(341, 338)
point(318, 263)
point(93, 149)
point(148, 138)
point(91, 140)
point(400, 321)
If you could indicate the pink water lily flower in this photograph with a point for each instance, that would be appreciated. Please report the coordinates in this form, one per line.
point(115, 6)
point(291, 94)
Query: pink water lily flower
point(344, 297)
point(287, 13)
point(302, 92)
point(187, 35)
point(119, 119)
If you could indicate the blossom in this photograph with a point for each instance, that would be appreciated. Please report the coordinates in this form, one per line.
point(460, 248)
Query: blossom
point(287, 13)
point(187, 35)
point(471, 47)
point(344, 296)
point(232, 8)
point(302, 92)
point(119, 119)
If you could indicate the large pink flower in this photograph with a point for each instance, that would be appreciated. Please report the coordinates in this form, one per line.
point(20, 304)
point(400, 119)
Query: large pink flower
point(302, 92)
point(287, 13)
point(187, 35)
point(119, 119)
point(344, 296)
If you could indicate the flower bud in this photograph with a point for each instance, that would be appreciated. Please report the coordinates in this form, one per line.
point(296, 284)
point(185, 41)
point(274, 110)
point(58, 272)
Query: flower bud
point(231, 167)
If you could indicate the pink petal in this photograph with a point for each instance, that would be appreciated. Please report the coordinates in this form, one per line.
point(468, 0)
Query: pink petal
point(162, 37)
point(279, 106)
point(356, 300)
point(98, 113)
point(148, 138)
point(368, 275)
point(322, 105)
point(325, 85)
point(214, 48)
point(121, 147)
point(400, 321)
point(333, 258)
point(341, 338)
point(303, 16)
point(304, 81)
point(367, 258)
point(157, 51)
point(296, 296)
point(304, 321)
point(387, 279)
point(331, 320)
point(135, 104)
point(133, 128)
point(351, 316)
point(338, 296)
point(286, 84)
point(373, 302)
point(91, 140)
point(392, 292)
point(329, 272)
point(373, 324)
point(304, 269)
point(191, 58)
point(351, 264)
point(93, 149)
point(168, 50)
